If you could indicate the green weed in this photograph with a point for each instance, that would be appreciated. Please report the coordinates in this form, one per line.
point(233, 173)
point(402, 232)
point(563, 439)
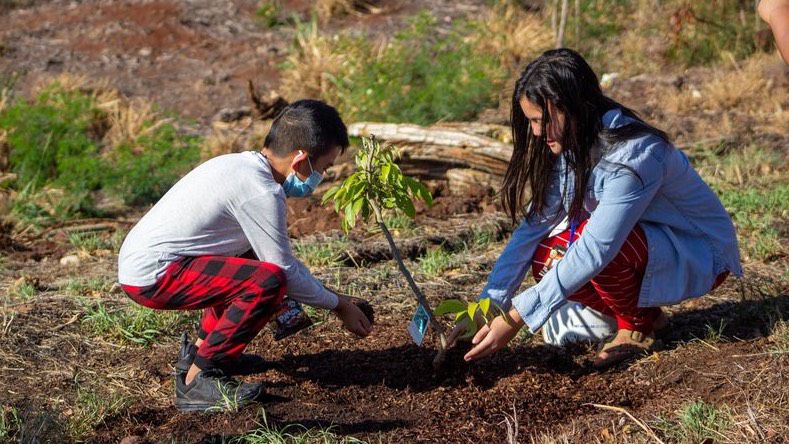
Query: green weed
point(91, 242)
point(318, 316)
point(694, 422)
point(481, 237)
point(228, 403)
point(435, 261)
point(10, 423)
point(400, 222)
point(24, 291)
point(268, 13)
point(266, 433)
point(758, 216)
point(95, 286)
point(715, 332)
point(317, 253)
point(623, 35)
point(91, 409)
point(131, 323)
point(779, 336)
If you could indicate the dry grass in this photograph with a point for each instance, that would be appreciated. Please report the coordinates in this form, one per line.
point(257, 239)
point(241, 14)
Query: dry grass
point(125, 120)
point(313, 63)
point(514, 34)
point(129, 120)
point(222, 140)
point(234, 138)
point(329, 9)
point(752, 89)
point(4, 97)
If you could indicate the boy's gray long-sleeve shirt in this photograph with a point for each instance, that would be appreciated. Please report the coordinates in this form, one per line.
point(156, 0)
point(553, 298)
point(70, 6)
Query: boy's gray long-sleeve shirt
point(223, 207)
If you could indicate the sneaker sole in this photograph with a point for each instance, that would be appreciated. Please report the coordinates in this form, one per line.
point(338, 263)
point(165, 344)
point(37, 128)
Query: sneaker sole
point(193, 406)
point(186, 405)
point(206, 407)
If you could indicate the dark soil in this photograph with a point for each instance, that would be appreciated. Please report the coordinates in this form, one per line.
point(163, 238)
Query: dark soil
point(384, 387)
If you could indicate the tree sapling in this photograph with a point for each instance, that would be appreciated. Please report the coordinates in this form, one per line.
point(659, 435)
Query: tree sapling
point(378, 184)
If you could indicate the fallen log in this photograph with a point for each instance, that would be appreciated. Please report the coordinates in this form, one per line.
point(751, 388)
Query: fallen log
point(441, 148)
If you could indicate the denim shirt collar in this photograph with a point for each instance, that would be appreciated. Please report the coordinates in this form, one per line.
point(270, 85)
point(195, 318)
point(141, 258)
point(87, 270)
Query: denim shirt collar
point(614, 118)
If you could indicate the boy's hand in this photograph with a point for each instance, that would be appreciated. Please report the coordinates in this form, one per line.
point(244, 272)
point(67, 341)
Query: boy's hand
point(490, 339)
point(352, 317)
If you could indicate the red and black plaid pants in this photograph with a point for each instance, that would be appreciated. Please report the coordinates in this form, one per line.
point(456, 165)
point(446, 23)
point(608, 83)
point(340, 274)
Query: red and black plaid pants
point(615, 290)
point(238, 296)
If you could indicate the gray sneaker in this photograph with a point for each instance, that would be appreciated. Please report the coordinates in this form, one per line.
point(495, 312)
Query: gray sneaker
point(246, 364)
point(212, 390)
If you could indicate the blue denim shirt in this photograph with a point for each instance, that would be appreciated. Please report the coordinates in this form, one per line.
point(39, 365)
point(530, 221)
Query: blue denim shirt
point(691, 238)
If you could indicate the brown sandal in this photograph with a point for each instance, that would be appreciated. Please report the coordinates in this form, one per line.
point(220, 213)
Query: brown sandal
point(626, 345)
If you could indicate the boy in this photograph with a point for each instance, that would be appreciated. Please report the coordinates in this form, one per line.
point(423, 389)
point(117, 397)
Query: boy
point(183, 254)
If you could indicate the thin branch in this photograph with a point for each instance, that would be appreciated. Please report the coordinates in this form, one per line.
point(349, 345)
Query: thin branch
point(639, 423)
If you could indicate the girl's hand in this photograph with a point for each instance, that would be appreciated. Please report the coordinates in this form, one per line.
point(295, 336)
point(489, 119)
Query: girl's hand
point(460, 329)
point(491, 338)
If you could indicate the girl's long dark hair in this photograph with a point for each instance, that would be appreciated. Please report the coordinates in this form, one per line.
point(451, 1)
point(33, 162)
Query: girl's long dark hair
point(562, 78)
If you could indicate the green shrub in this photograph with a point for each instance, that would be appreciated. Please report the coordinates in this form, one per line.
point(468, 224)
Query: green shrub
point(61, 160)
point(141, 174)
point(51, 140)
point(424, 75)
point(704, 31)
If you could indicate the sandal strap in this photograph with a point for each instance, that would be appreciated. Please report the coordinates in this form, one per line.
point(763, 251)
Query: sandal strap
point(633, 338)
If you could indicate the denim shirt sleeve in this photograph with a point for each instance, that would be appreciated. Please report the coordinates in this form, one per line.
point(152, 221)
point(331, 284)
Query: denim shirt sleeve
point(624, 199)
point(515, 260)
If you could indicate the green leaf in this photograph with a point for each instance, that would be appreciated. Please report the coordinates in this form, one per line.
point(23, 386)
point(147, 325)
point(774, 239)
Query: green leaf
point(350, 217)
point(361, 188)
point(450, 306)
point(472, 309)
point(328, 195)
point(460, 316)
point(365, 210)
point(471, 330)
point(385, 170)
point(484, 305)
point(357, 207)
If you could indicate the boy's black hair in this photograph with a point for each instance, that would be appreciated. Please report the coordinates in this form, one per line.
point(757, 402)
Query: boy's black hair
point(309, 125)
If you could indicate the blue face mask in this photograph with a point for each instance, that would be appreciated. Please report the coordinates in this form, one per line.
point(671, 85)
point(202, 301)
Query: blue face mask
point(295, 187)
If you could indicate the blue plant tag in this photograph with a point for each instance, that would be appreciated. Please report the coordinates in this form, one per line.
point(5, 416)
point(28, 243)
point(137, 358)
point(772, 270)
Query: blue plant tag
point(418, 325)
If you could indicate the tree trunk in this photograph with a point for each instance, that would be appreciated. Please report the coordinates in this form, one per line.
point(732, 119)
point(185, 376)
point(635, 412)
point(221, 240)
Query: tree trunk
point(562, 25)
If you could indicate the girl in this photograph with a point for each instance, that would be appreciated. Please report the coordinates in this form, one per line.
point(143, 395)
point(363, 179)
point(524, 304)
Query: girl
point(644, 229)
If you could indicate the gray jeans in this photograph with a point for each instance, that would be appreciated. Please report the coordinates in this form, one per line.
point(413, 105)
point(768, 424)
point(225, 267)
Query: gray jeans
point(574, 322)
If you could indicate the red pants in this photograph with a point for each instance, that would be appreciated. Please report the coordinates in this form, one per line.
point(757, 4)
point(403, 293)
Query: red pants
point(239, 297)
point(615, 290)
